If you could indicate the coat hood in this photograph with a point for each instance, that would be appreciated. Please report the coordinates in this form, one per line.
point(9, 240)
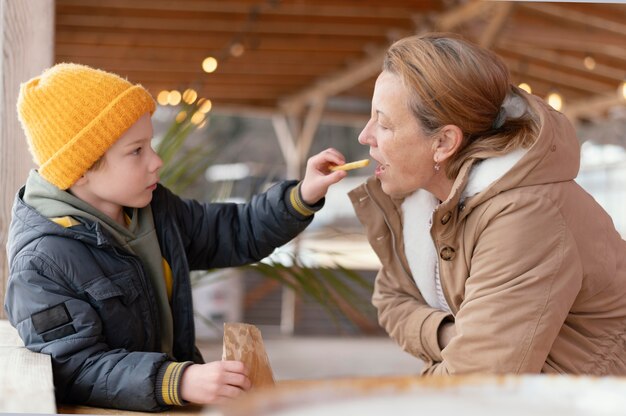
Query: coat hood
point(554, 157)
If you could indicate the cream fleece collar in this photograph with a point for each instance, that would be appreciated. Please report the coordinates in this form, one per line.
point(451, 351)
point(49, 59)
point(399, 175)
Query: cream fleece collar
point(417, 211)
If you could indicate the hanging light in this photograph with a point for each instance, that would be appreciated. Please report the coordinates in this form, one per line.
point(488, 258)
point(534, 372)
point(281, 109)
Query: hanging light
point(589, 62)
point(197, 117)
point(209, 64)
point(237, 49)
point(173, 98)
point(524, 86)
point(162, 97)
point(204, 105)
point(189, 96)
point(622, 89)
point(555, 100)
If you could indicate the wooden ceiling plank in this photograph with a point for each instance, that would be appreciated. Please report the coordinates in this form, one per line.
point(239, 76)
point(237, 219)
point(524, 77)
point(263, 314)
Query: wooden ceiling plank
point(257, 69)
point(459, 15)
point(211, 41)
point(501, 13)
point(203, 25)
point(287, 9)
point(195, 56)
point(559, 77)
point(558, 59)
point(366, 68)
point(583, 19)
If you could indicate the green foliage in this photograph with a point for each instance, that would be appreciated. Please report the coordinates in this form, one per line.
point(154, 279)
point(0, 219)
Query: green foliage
point(183, 165)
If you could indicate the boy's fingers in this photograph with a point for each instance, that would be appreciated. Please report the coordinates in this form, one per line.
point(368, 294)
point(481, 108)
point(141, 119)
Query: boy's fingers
point(235, 367)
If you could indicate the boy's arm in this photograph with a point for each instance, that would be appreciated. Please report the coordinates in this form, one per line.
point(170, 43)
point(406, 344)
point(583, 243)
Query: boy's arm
point(53, 319)
point(226, 234)
point(223, 235)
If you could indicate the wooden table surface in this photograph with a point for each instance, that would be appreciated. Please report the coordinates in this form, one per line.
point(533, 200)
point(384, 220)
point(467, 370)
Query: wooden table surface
point(26, 383)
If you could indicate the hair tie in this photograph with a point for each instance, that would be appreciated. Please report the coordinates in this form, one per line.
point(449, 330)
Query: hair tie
point(512, 107)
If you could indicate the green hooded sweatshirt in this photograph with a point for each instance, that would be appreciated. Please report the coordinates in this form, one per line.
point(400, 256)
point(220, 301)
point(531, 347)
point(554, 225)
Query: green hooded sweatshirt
point(139, 238)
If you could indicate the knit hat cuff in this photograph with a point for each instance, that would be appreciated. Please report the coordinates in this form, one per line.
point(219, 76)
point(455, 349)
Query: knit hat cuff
point(71, 161)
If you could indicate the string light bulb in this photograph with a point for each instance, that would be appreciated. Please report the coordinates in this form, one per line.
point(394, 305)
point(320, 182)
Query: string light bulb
point(622, 89)
point(197, 117)
point(209, 64)
point(526, 87)
point(162, 97)
point(204, 105)
point(237, 49)
point(555, 100)
point(173, 98)
point(190, 95)
point(589, 62)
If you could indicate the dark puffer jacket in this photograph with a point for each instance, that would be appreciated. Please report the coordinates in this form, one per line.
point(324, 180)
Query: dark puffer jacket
point(76, 295)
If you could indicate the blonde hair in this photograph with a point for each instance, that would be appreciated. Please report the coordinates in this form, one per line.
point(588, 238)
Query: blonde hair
point(452, 81)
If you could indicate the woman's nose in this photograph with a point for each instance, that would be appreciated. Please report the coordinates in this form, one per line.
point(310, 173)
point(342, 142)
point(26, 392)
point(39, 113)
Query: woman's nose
point(366, 138)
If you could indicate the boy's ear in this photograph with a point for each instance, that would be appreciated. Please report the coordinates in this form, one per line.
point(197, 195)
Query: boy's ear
point(448, 141)
point(81, 181)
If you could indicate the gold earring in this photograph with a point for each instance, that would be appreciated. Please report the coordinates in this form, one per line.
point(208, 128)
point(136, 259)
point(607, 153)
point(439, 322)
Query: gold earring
point(437, 167)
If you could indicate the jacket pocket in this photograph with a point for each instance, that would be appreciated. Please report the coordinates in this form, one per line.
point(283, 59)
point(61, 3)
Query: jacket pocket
point(116, 286)
point(123, 315)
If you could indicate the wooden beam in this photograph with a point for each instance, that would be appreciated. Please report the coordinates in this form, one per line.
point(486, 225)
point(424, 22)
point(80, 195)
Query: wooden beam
point(336, 83)
point(592, 107)
point(26, 36)
point(370, 66)
point(559, 59)
point(461, 14)
point(567, 40)
point(559, 77)
point(309, 127)
point(287, 144)
point(194, 68)
point(192, 53)
point(261, 27)
point(583, 19)
point(216, 40)
point(284, 9)
point(500, 16)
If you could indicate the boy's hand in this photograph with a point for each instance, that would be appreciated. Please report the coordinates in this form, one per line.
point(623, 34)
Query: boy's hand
point(214, 383)
point(318, 176)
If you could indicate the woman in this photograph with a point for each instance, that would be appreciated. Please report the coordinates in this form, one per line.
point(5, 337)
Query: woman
point(494, 259)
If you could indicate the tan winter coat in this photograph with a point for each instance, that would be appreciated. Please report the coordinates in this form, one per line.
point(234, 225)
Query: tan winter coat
point(531, 267)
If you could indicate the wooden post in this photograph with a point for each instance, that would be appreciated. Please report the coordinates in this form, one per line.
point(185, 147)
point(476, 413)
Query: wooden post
point(27, 39)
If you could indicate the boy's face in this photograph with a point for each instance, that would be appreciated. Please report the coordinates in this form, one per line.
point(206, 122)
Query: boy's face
point(128, 175)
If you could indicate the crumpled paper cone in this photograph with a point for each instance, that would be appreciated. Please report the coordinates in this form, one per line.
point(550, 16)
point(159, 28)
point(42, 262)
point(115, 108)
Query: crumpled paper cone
point(243, 342)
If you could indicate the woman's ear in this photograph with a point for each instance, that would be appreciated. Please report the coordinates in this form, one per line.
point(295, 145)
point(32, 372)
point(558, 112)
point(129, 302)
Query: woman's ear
point(448, 142)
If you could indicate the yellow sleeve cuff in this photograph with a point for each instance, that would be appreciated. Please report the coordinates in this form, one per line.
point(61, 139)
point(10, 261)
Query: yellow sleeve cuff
point(168, 383)
point(296, 202)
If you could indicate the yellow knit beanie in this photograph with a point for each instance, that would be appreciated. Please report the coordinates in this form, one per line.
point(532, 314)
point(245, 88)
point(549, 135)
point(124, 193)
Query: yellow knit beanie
point(72, 114)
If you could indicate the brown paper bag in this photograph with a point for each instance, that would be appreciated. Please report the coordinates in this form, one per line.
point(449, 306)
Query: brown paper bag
point(243, 342)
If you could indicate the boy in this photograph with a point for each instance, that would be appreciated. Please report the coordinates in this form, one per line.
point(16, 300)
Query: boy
point(100, 253)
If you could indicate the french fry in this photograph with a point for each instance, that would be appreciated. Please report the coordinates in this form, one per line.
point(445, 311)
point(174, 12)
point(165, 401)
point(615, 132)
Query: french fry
point(351, 165)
